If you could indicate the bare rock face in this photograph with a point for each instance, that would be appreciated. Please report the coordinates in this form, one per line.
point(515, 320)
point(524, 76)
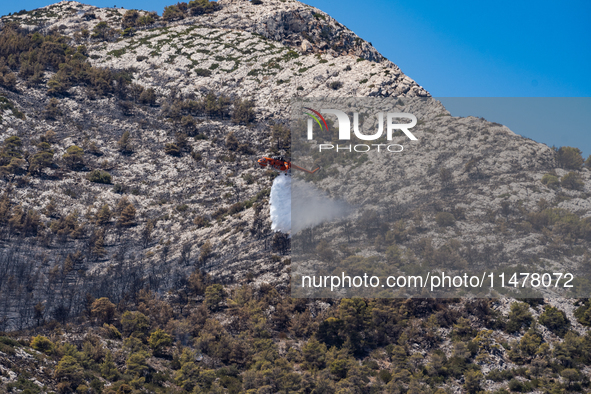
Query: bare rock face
point(291, 22)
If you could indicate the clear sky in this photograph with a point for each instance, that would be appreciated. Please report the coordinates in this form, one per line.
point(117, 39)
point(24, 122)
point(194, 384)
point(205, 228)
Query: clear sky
point(463, 48)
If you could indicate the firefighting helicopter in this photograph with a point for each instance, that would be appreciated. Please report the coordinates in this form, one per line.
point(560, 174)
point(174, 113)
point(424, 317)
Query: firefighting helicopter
point(281, 164)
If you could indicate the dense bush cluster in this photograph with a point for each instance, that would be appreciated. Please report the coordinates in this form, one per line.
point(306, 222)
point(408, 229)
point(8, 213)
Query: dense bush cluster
point(31, 54)
point(133, 19)
point(15, 160)
point(209, 338)
point(99, 176)
point(212, 106)
point(569, 157)
point(182, 9)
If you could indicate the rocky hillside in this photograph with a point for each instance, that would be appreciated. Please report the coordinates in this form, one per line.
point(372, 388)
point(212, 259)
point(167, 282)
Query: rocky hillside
point(135, 246)
point(468, 196)
point(155, 116)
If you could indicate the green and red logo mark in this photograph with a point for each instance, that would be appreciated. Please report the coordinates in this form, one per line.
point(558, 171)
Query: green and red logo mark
point(317, 121)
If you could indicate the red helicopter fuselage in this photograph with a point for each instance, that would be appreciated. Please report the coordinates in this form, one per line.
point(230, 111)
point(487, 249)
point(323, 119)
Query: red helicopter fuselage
point(280, 164)
point(276, 163)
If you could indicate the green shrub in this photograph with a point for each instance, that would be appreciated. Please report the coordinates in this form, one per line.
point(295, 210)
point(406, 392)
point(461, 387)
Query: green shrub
point(445, 219)
point(23, 385)
point(551, 181)
point(583, 313)
point(385, 376)
point(41, 160)
point(74, 157)
point(103, 310)
point(9, 341)
point(128, 32)
point(124, 143)
point(6, 104)
point(158, 341)
point(473, 380)
point(135, 323)
point(570, 375)
point(520, 387)
point(119, 188)
point(146, 20)
point(172, 13)
point(314, 353)
point(202, 72)
point(572, 181)
point(172, 149)
point(243, 112)
point(69, 370)
point(555, 320)
point(214, 296)
point(335, 85)
point(519, 317)
point(111, 332)
point(231, 141)
point(248, 178)
point(569, 157)
point(137, 364)
point(130, 19)
point(99, 176)
point(42, 344)
point(197, 7)
point(497, 375)
point(102, 31)
point(148, 96)
point(200, 221)
point(196, 156)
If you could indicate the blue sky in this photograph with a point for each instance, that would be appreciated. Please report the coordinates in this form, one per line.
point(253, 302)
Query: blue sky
point(479, 48)
point(464, 48)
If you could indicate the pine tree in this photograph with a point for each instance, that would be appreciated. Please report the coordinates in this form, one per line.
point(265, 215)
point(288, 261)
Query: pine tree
point(4, 208)
point(98, 250)
point(103, 216)
point(39, 309)
point(136, 363)
point(50, 209)
point(68, 264)
point(108, 368)
point(158, 341)
point(127, 217)
point(74, 157)
point(103, 309)
point(124, 143)
point(16, 220)
point(124, 202)
point(147, 233)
